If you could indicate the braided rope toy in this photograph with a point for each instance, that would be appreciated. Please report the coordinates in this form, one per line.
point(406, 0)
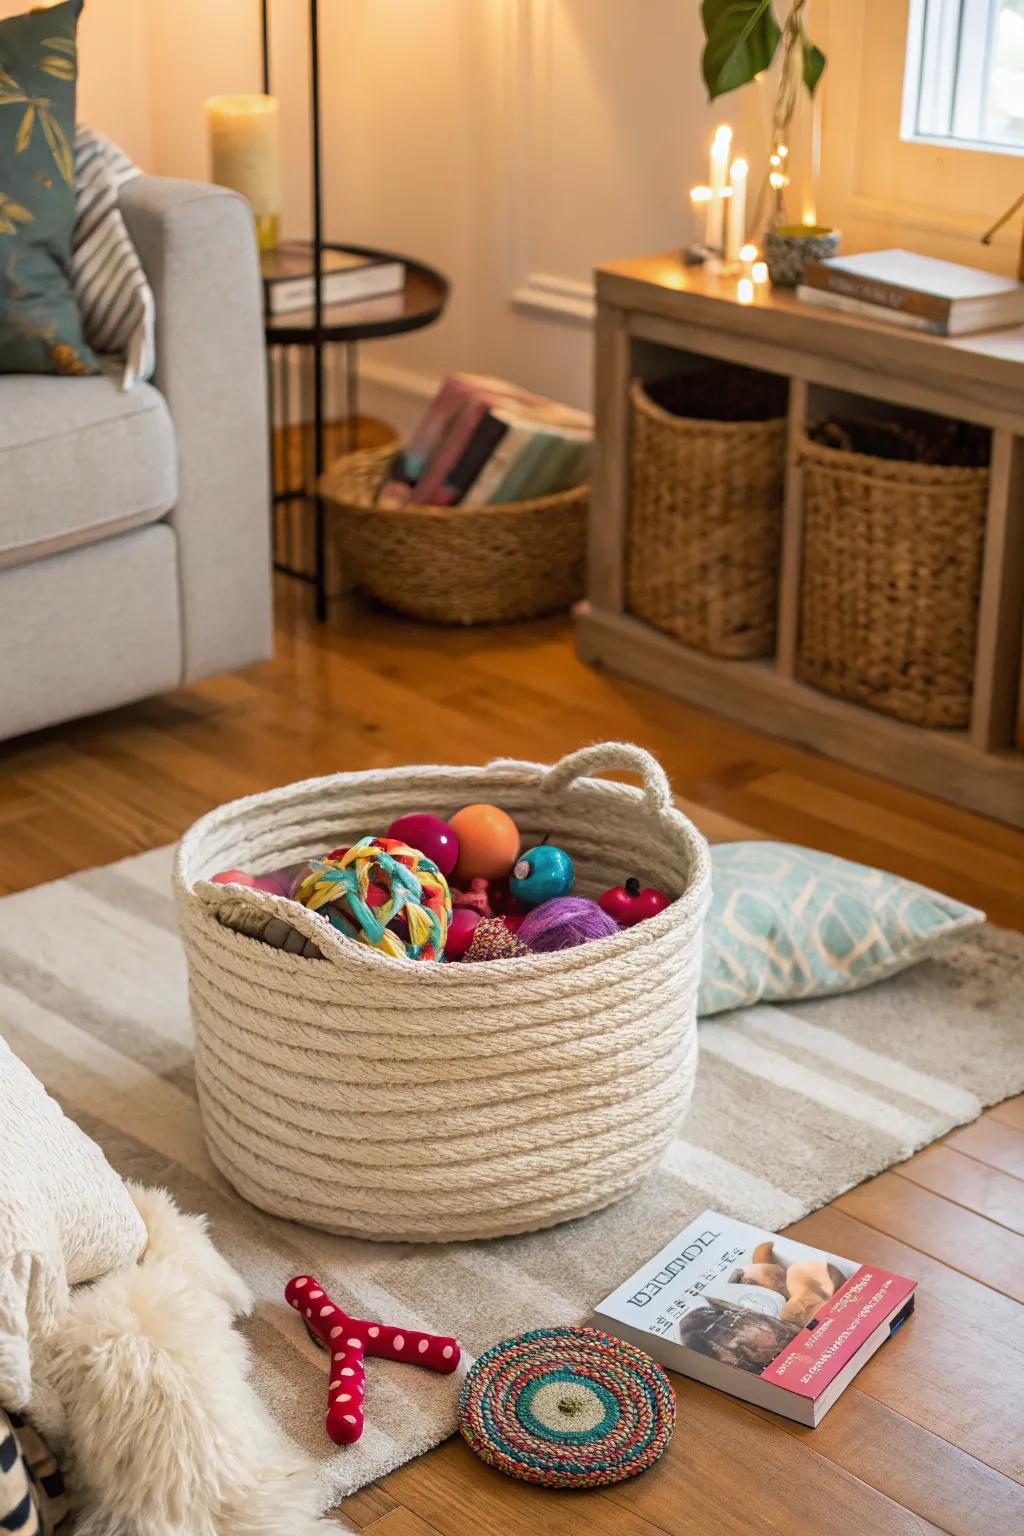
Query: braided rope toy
point(374, 882)
point(567, 1408)
point(350, 1340)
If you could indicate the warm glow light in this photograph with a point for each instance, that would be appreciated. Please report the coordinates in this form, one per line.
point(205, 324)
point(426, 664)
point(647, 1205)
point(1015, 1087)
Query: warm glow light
point(726, 192)
point(700, 194)
point(783, 151)
point(777, 180)
point(774, 160)
point(809, 219)
point(738, 170)
point(745, 291)
point(759, 272)
point(723, 134)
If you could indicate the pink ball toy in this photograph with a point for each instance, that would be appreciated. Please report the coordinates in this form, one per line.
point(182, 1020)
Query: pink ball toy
point(429, 835)
point(233, 877)
point(460, 932)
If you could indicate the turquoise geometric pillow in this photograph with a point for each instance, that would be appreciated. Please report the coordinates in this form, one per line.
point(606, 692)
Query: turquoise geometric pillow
point(787, 922)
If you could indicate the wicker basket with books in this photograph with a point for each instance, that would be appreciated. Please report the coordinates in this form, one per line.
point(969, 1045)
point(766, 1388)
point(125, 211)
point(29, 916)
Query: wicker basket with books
point(893, 536)
point(705, 509)
point(457, 565)
point(480, 518)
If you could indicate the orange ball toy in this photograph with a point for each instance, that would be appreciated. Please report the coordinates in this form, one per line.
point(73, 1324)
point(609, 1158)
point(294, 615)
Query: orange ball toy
point(488, 843)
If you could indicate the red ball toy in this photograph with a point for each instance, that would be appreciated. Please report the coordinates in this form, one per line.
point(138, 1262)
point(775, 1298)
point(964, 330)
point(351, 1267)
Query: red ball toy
point(460, 932)
point(429, 835)
point(629, 905)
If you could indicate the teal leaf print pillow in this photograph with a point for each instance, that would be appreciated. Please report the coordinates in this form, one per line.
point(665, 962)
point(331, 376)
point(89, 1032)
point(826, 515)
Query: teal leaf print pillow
point(787, 922)
point(40, 329)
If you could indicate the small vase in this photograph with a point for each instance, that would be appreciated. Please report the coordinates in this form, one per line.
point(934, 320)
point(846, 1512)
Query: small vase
point(789, 250)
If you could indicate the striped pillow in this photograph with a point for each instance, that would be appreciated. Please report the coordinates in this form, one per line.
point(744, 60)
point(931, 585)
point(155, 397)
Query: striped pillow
point(114, 299)
point(32, 1500)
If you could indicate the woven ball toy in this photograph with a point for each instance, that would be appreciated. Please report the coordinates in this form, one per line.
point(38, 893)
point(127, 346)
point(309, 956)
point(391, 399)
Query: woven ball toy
point(567, 1408)
point(375, 882)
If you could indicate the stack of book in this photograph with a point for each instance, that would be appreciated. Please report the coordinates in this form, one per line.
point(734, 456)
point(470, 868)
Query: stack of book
point(485, 442)
point(347, 278)
point(918, 292)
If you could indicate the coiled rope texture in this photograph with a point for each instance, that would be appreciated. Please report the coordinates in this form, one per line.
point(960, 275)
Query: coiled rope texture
point(400, 1100)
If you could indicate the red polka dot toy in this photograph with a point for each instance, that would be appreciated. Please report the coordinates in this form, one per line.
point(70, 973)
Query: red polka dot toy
point(350, 1340)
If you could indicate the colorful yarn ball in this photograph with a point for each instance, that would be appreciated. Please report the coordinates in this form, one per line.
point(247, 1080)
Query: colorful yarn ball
point(378, 882)
point(567, 1408)
point(564, 923)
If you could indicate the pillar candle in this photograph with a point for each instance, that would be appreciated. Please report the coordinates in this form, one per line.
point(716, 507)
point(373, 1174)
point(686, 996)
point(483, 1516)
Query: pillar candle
point(245, 154)
point(717, 181)
point(736, 212)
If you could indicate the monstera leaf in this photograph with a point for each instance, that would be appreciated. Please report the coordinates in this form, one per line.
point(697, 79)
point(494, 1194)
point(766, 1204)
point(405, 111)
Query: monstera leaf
point(742, 36)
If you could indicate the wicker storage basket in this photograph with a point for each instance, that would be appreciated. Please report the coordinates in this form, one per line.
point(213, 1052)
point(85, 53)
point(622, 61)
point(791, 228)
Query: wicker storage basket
point(892, 553)
point(399, 1100)
point(705, 511)
point(457, 565)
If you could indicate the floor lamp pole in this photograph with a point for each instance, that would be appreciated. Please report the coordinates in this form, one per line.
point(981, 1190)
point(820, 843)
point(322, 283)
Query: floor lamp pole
point(318, 336)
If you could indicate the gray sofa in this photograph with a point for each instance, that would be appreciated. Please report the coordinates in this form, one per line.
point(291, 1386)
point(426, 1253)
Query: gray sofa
point(134, 527)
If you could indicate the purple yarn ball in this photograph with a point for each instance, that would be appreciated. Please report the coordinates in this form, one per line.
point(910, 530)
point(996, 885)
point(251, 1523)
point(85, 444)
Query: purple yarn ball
point(564, 922)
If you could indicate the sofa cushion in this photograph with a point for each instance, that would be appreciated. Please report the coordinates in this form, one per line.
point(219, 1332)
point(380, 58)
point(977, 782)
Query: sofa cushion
point(80, 460)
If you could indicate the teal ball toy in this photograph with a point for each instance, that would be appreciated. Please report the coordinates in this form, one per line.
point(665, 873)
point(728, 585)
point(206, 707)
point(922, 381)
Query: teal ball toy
point(540, 874)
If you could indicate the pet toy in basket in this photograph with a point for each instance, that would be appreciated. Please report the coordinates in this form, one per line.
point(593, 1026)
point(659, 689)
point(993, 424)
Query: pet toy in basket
point(373, 1094)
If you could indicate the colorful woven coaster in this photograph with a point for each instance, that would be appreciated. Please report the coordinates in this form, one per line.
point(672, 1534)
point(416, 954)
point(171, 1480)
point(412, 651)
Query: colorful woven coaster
point(568, 1408)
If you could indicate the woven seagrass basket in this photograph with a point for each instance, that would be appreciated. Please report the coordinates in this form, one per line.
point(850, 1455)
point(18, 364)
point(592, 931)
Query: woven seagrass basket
point(410, 1101)
point(457, 565)
point(892, 553)
point(705, 510)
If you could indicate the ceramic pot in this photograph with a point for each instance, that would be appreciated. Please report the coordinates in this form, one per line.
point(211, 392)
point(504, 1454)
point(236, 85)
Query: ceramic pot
point(790, 248)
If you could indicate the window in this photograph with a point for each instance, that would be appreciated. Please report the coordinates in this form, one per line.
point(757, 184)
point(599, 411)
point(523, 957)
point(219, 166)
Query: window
point(965, 73)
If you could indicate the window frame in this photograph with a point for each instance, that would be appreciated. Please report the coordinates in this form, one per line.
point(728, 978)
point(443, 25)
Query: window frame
point(953, 111)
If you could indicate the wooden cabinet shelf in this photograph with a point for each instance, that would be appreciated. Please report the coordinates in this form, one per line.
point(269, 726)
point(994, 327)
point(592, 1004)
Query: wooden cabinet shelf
point(652, 309)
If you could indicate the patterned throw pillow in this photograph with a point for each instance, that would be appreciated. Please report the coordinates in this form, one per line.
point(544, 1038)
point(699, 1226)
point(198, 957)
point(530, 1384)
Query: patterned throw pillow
point(32, 1498)
point(40, 330)
point(787, 922)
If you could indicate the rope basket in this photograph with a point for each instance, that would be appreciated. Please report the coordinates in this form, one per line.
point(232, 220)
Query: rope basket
point(457, 565)
point(892, 553)
point(396, 1100)
point(705, 511)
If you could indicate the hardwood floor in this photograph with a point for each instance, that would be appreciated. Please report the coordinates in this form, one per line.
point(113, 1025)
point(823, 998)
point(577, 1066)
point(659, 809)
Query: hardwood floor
point(931, 1436)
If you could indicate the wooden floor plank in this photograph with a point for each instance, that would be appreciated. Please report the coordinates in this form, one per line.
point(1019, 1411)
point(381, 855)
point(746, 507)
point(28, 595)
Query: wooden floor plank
point(993, 1142)
point(1011, 1112)
point(935, 1226)
point(369, 1504)
point(976, 1186)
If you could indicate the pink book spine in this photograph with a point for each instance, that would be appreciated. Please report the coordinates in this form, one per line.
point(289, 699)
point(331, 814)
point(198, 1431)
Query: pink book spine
point(416, 455)
point(841, 1327)
point(451, 449)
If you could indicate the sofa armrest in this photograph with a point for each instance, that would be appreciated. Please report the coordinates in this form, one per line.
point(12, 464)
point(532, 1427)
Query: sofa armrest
point(198, 246)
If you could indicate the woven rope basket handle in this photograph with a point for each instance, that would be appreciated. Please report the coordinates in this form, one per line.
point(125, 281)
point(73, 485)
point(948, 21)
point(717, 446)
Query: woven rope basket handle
point(605, 757)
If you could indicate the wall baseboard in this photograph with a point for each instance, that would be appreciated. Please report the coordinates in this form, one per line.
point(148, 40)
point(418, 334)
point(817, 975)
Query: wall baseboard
point(385, 390)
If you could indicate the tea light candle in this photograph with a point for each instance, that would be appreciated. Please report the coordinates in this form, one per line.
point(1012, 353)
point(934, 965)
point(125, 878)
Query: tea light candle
point(745, 291)
point(245, 154)
point(759, 273)
point(720, 147)
point(736, 214)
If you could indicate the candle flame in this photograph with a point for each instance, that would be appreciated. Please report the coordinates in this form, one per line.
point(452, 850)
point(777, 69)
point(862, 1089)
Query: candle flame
point(759, 272)
point(738, 170)
point(748, 253)
point(723, 134)
point(810, 219)
point(745, 291)
point(701, 194)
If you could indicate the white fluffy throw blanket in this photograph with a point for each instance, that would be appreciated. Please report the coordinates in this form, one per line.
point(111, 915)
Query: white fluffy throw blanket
point(164, 1435)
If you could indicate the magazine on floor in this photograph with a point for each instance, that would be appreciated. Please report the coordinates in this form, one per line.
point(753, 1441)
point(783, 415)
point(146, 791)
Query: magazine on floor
point(764, 1317)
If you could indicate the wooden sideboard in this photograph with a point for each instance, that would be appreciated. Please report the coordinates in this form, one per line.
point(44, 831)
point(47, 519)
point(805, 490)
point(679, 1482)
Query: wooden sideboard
point(652, 308)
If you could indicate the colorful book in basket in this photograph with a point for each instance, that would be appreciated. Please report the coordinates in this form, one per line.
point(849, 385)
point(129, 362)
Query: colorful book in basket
point(761, 1316)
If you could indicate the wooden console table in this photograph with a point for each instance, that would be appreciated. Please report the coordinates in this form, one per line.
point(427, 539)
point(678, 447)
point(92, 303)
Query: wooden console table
point(652, 308)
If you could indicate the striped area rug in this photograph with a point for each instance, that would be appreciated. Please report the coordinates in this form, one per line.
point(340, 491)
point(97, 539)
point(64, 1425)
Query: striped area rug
point(792, 1107)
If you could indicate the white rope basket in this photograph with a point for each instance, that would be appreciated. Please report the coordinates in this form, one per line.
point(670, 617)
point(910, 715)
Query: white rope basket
point(409, 1101)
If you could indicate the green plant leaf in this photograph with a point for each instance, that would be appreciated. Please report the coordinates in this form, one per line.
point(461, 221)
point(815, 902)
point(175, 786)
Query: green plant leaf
point(60, 69)
point(742, 36)
point(57, 139)
point(23, 137)
point(814, 65)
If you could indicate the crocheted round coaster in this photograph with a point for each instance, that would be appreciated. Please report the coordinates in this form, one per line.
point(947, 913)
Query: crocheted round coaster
point(567, 1407)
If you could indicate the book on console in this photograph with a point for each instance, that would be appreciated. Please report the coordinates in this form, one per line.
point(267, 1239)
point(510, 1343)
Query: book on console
point(950, 299)
point(288, 278)
point(766, 1318)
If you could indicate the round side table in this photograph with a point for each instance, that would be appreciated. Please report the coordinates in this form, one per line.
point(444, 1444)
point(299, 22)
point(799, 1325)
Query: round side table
point(418, 303)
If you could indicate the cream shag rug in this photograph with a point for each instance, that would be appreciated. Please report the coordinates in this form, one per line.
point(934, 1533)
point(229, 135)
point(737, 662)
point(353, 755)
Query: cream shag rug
point(792, 1106)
